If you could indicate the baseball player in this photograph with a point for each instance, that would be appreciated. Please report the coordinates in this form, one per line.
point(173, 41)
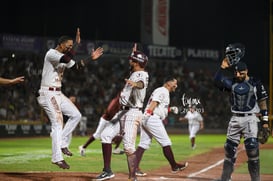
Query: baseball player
point(247, 98)
point(54, 102)
point(131, 100)
point(152, 125)
point(105, 119)
point(112, 109)
point(5, 81)
point(195, 123)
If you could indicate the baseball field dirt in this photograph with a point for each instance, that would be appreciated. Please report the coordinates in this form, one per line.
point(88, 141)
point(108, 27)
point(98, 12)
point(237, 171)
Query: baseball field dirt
point(204, 167)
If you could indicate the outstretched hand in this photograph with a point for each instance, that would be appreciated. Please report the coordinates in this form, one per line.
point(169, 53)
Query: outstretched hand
point(95, 54)
point(18, 80)
point(78, 36)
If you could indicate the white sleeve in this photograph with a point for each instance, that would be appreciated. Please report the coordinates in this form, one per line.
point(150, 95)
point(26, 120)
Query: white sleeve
point(70, 63)
point(199, 118)
point(125, 95)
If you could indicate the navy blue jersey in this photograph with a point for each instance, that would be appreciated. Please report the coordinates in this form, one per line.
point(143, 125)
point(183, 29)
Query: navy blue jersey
point(244, 95)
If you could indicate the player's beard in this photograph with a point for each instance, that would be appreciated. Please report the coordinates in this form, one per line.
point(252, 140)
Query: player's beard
point(240, 79)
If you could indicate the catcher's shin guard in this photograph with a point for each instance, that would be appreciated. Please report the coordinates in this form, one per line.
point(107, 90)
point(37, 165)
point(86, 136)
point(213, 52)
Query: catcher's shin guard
point(254, 169)
point(227, 170)
point(131, 160)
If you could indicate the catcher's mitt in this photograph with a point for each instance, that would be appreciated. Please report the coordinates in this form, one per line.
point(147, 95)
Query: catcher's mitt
point(263, 134)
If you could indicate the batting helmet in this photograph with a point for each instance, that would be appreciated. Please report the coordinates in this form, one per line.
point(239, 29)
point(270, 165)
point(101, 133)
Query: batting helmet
point(140, 57)
point(235, 52)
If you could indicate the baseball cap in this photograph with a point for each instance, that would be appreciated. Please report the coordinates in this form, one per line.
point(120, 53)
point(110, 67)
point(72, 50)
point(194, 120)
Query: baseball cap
point(240, 66)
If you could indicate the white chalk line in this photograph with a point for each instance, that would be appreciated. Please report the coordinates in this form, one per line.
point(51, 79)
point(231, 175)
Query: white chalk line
point(210, 167)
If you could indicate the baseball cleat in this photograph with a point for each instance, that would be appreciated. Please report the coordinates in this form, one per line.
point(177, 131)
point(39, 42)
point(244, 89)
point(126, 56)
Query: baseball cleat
point(140, 173)
point(62, 164)
point(66, 151)
point(180, 167)
point(193, 147)
point(104, 176)
point(82, 150)
point(118, 151)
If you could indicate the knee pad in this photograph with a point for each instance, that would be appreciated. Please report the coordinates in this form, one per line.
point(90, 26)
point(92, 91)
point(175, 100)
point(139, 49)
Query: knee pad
point(252, 148)
point(230, 150)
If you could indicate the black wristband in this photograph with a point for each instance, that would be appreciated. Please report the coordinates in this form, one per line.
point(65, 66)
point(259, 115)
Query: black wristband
point(264, 114)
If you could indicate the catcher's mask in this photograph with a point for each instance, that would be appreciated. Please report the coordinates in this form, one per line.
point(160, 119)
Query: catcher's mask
point(139, 57)
point(234, 53)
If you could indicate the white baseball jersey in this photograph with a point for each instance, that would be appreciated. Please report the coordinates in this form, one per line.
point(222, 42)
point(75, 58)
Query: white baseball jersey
point(53, 70)
point(194, 117)
point(135, 97)
point(154, 127)
point(162, 96)
point(56, 104)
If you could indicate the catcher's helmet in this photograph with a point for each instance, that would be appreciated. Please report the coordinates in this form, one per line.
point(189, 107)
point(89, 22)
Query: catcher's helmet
point(138, 56)
point(235, 52)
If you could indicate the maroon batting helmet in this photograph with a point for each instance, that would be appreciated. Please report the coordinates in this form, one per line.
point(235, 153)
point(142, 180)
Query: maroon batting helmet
point(139, 57)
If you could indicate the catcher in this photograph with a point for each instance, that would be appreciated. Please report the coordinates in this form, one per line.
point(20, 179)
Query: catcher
point(248, 98)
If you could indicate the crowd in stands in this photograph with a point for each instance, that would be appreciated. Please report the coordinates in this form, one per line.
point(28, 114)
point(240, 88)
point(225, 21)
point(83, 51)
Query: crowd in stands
point(101, 80)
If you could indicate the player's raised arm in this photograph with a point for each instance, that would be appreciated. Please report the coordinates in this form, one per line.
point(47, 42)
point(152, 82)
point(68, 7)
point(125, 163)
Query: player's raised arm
point(5, 81)
point(95, 54)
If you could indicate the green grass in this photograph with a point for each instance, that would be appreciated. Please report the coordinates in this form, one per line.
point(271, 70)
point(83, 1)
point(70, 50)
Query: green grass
point(266, 159)
point(34, 154)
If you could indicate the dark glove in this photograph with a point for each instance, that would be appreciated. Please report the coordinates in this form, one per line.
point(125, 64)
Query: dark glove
point(263, 127)
point(118, 138)
point(263, 134)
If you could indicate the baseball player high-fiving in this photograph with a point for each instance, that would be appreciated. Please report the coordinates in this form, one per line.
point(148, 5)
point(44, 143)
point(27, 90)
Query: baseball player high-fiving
point(54, 102)
point(131, 101)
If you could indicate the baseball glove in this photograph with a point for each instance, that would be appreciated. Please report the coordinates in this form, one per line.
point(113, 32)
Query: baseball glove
point(118, 138)
point(263, 134)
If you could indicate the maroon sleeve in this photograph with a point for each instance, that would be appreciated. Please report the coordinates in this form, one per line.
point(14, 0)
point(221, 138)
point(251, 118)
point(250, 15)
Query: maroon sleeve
point(112, 108)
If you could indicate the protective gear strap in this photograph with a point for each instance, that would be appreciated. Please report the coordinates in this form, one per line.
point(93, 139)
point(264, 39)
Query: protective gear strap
point(230, 149)
point(254, 169)
point(252, 148)
point(228, 168)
